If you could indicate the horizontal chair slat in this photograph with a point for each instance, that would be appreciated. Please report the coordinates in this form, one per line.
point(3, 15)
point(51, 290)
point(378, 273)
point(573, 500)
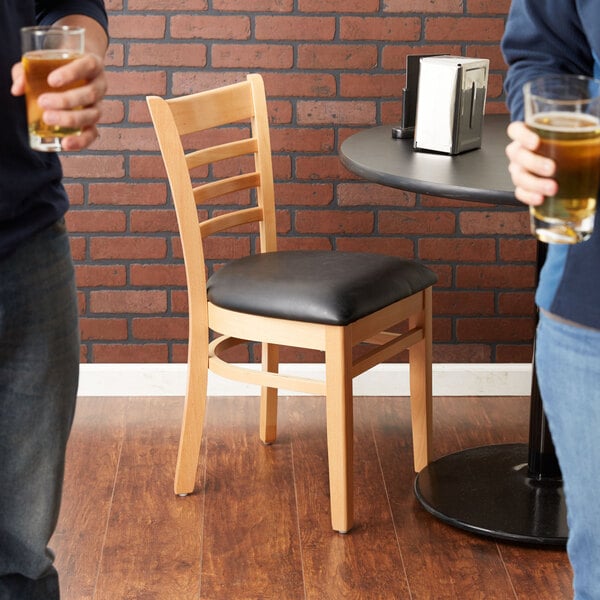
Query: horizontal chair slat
point(214, 189)
point(230, 220)
point(198, 158)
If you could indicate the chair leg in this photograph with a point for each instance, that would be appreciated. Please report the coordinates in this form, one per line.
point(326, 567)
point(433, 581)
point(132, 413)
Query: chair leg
point(338, 363)
point(268, 396)
point(421, 385)
point(193, 422)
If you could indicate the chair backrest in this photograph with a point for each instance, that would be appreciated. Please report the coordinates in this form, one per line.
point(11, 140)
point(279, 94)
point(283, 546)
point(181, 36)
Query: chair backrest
point(235, 121)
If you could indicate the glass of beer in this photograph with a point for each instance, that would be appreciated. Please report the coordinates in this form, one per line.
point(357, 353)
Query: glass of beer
point(44, 50)
point(564, 110)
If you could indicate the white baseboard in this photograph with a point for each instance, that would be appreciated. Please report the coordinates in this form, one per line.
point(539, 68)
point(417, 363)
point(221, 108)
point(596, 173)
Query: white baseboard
point(452, 379)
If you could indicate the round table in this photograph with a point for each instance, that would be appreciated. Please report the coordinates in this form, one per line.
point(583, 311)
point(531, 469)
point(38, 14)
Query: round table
point(507, 491)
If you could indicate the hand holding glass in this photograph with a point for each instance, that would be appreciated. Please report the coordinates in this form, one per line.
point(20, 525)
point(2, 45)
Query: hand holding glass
point(44, 50)
point(564, 110)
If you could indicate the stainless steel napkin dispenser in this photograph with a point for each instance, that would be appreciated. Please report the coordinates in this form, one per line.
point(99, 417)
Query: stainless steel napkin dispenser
point(450, 103)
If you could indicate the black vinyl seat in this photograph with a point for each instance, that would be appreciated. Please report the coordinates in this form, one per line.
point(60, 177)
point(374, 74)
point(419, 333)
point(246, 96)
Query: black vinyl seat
point(336, 288)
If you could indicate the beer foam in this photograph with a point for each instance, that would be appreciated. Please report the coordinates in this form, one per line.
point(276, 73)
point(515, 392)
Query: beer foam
point(564, 122)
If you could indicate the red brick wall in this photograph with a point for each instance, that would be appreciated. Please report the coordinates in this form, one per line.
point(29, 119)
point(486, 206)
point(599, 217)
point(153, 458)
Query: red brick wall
point(331, 68)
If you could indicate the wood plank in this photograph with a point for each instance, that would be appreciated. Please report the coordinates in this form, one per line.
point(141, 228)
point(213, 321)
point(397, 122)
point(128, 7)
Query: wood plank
point(251, 543)
point(152, 547)
point(441, 562)
point(538, 573)
point(91, 468)
point(366, 563)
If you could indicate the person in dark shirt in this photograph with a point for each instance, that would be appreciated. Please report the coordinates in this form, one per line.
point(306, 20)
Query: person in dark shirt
point(39, 338)
point(563, 36)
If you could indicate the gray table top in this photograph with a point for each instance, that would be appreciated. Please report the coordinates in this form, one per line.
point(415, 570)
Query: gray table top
point(479, 175)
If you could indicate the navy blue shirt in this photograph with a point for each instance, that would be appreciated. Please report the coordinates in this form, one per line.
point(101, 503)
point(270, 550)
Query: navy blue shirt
point(31, 193)
point(561, 36)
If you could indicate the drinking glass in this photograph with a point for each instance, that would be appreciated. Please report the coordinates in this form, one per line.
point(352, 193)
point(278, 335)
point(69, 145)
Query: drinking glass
point(45, 49)
point(564, 110)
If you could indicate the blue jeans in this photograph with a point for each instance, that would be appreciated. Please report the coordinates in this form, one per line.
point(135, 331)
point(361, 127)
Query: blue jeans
point(568, 367)
point(39, 366)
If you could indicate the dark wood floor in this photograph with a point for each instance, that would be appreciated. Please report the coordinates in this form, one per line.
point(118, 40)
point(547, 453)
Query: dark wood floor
point(258, 528)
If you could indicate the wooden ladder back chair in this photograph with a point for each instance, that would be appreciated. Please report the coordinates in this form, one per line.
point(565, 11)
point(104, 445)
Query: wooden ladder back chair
point(324, 300)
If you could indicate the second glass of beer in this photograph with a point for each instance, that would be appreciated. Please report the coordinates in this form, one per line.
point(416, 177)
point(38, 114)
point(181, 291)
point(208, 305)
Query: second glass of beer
point(44, 50)
point(564, 110)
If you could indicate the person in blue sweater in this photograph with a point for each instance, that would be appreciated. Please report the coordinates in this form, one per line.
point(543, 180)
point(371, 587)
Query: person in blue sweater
point(562, 36)
point(39, 339)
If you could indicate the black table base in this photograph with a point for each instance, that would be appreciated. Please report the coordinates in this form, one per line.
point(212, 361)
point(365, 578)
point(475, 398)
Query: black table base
point(489, 491)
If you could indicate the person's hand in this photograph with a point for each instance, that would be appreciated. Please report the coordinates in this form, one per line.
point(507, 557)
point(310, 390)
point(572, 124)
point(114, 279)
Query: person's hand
point(58, 106)
point(531, 173)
